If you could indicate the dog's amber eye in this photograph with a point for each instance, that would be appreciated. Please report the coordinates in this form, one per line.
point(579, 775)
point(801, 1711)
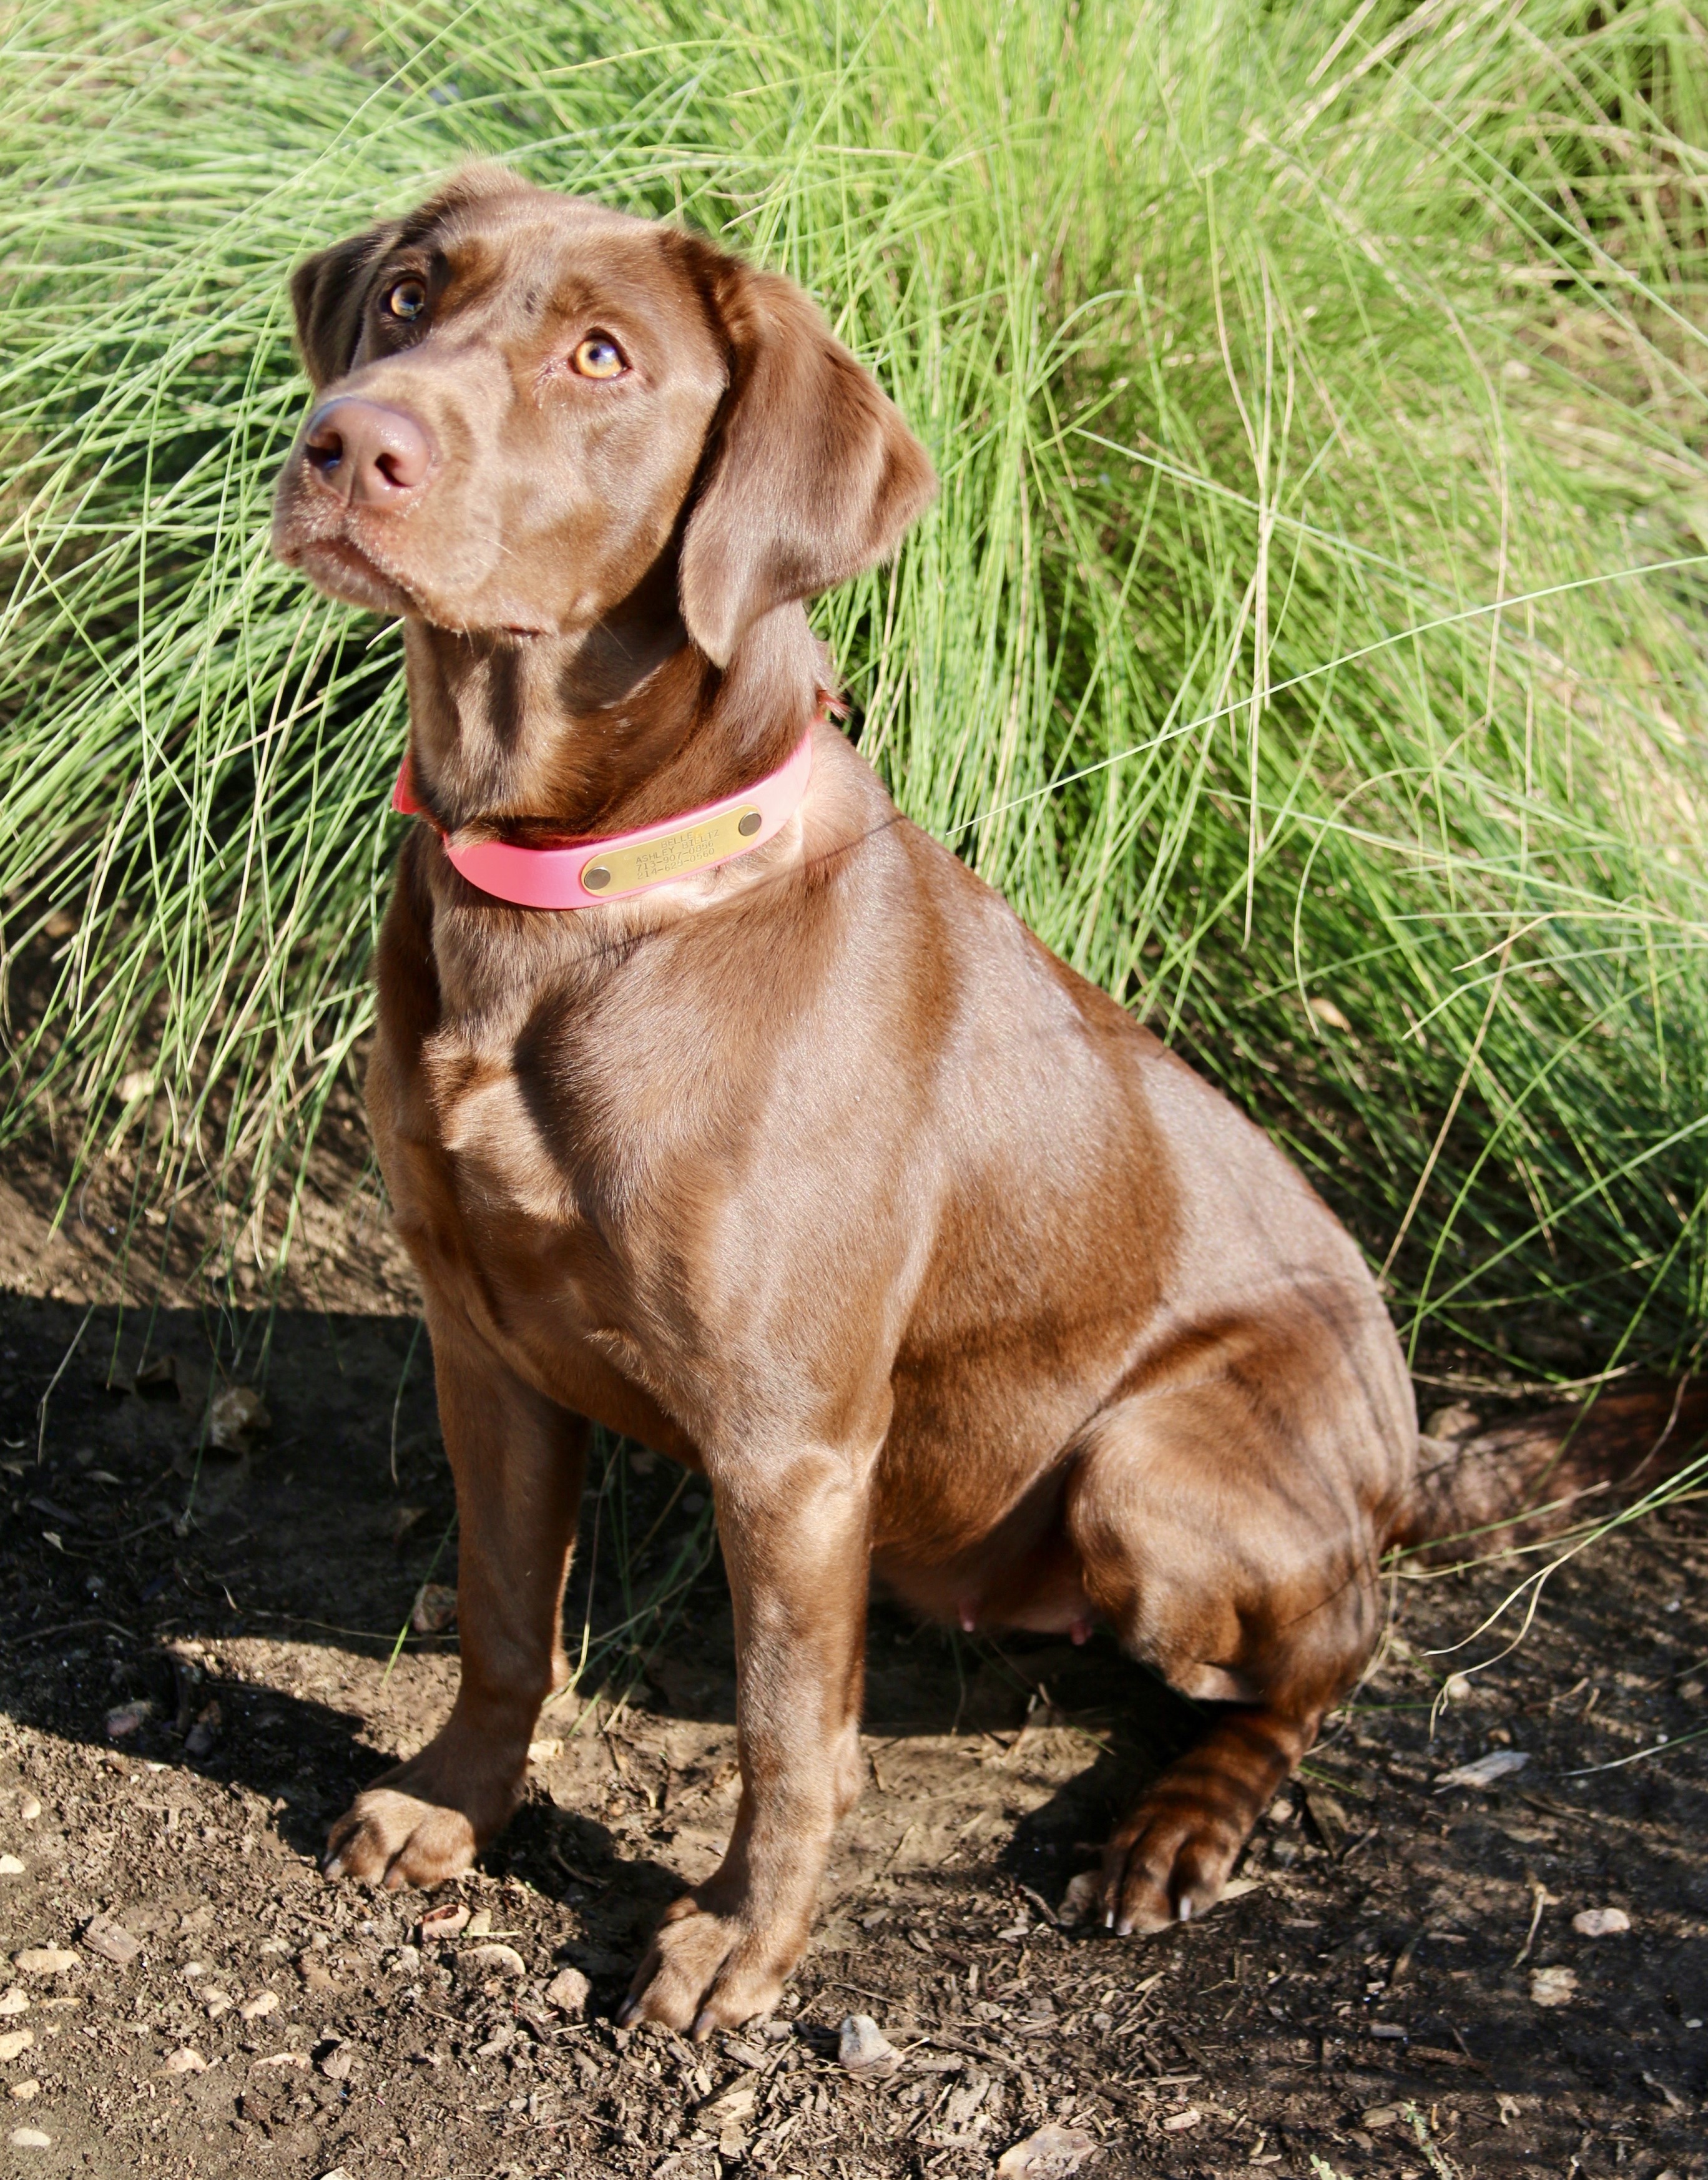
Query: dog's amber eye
point(408, 299)
point(598, 356)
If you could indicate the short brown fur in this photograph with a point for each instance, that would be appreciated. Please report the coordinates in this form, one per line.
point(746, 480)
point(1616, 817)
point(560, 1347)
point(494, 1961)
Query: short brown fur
point(816, 1172)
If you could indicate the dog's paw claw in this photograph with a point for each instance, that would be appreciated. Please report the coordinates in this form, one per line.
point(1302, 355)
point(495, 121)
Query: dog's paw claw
point(1160, 1873)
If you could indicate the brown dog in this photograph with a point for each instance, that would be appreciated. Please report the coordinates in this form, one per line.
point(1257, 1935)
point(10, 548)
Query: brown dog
point(815, 1171)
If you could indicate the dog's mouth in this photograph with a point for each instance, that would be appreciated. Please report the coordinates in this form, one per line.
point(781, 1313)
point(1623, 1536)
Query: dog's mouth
point(336, 563)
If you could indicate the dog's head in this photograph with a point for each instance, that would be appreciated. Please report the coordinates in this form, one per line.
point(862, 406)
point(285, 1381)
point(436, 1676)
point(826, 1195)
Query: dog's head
point(527, 401)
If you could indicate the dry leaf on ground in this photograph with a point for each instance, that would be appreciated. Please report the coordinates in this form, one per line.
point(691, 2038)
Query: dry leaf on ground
point(1498, 1764)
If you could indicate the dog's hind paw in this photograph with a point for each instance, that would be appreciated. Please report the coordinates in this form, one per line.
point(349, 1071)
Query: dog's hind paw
point(1164, 1871)
point(393, 1839)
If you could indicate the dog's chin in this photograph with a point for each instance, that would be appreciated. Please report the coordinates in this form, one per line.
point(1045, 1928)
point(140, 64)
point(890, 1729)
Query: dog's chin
point(342, 571)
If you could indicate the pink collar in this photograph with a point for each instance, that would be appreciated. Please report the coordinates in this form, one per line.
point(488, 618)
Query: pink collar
point(613, 865)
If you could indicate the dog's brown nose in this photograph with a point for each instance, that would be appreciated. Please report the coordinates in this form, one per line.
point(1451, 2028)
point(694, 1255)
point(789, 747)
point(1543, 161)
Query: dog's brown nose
point(365, 451)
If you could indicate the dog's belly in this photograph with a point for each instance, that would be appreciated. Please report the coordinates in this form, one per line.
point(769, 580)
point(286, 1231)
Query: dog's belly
point(970, 1528)
point(1041, 1594)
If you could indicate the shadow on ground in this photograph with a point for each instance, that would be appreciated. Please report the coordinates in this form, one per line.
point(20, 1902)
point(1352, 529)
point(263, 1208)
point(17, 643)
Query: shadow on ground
point(189, 1702)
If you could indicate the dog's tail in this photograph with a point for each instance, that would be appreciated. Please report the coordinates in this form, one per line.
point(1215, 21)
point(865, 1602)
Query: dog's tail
point(1481, 1491)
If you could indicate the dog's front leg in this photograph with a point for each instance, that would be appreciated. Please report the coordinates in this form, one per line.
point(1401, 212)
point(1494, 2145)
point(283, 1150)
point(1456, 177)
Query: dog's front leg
point(518, 1460)
point(794, 1535)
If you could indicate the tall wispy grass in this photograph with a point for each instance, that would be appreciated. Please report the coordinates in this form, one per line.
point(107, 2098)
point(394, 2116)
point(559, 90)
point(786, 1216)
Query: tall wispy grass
point(1311, 638)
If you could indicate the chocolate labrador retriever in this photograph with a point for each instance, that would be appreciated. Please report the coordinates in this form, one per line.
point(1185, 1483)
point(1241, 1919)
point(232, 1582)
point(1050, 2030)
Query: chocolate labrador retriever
point(808, 1165)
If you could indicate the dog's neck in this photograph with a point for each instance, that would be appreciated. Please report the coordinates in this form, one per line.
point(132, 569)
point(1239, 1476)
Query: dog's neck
point(547, 738)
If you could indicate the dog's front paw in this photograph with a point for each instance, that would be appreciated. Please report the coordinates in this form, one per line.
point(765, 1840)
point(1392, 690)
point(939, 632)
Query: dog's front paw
point(705, 1971)
point(427, 1820)
point(385, 1837)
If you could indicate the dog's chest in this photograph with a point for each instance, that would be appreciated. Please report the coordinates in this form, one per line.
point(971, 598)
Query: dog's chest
point(504, 1161)
point(568, 1152)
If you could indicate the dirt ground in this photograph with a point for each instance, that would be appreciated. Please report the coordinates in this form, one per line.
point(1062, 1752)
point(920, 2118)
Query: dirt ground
point(194, 1679)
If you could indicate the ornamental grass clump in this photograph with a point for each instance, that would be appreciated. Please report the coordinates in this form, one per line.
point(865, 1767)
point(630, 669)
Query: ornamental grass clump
point(1309, 637)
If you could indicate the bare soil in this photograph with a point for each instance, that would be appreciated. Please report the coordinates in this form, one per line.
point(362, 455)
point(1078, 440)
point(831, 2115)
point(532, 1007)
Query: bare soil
point(194, 1679)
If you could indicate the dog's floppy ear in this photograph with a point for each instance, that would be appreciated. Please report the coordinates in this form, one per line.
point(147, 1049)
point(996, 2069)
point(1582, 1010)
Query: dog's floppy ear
point(812, 474)
point(328, 292)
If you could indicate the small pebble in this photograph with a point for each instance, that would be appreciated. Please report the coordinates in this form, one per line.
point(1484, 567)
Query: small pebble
point(45, 1960)
point(258, 2008)
point(15, 2043)
point(11, 1867)
point(1601, 1922)
point(1177, 2122)
point(863, 2048)
point(185, 2060)
point(1552, 1986)
point(26, 2089)
point(235, 1411)
point(29, 2138)
point(14, 2000)
point(435, 1609)
point(29, 1808)
point(569, 1990)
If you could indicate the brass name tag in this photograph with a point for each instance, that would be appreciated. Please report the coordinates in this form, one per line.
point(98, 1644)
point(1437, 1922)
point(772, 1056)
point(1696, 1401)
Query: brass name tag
point(671, 856)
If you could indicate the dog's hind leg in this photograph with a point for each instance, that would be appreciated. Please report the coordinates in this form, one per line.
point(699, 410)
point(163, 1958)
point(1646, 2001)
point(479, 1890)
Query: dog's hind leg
point(1236, 1554)
point(1170, 1857)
